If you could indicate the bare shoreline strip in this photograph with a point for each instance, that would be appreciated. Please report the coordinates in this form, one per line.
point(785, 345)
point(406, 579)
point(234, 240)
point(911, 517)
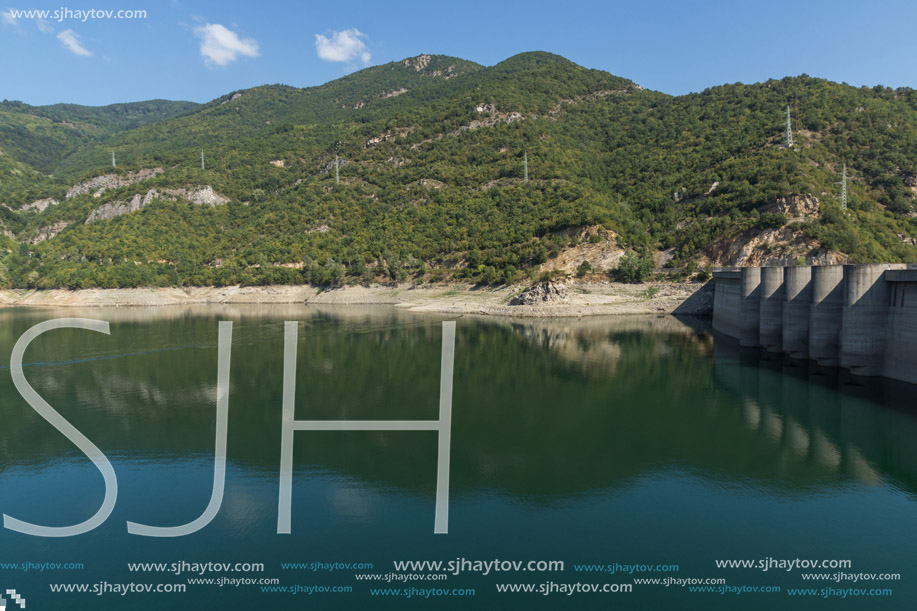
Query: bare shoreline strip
point(583, 299)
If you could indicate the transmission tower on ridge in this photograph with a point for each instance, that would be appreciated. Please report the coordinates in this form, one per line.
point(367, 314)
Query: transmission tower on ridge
point(202, 159)
point(844, 188)
point(113, 159)
point(789, 128)
point(525, 164)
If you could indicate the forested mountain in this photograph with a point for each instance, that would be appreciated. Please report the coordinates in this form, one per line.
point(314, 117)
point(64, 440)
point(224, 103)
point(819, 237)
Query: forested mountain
point(42, 136)
point(431, 156)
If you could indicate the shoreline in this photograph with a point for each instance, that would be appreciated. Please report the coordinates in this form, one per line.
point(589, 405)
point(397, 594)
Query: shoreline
point(580, 299)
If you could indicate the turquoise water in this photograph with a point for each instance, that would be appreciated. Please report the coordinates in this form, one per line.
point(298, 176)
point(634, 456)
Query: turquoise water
point(623, 440)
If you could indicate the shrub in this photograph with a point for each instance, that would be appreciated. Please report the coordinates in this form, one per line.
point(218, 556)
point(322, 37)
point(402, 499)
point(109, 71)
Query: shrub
point(703, 275)
point(633, 268)
point(583, 269)
point(771, 220)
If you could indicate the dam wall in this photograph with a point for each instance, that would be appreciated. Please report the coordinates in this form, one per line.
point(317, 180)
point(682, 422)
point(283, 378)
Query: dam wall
point(901, 335)
point(770, 323)
point(727, 299)
point(750, 307)
point(797, 310)
point(825, 314)
point(862, 318)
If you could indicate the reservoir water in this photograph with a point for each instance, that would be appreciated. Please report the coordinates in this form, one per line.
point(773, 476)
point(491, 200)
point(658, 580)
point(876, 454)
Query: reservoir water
point(644, 444)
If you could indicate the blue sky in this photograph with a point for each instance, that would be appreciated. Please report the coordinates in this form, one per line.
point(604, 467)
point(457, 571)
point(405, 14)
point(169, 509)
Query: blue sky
point(199, 50)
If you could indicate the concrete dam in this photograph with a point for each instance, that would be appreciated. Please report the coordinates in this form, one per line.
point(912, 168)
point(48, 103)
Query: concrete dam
point(862, 318)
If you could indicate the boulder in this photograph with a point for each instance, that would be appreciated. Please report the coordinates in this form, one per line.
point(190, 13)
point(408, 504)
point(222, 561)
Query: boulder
point(545, 293)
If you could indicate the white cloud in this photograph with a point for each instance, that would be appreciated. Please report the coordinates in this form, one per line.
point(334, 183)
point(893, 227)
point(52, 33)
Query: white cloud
point(221, 46)
point(72, 43)
point(343, 46)
point(42, 25)
point(8, 19)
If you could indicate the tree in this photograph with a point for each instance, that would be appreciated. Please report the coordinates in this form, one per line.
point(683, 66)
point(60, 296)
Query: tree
point(583, 269)
point(633, 268)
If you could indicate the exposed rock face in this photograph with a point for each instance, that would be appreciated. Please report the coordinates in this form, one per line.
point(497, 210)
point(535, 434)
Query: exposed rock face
point(490, 117)
point(40, 205)
point(235, 96)
point(589, 97)
point(98, 185)
point(279, 163)
point(198, 195)
point(417, 63)
point(46, 233)
point(781, 246)
point(431, 183)
point(117, 208)
point(602, 252)
point(388, 136)
point(394, 93)
point(797, 206)
point(447, 74)
point(421, 62)
point(541, 294)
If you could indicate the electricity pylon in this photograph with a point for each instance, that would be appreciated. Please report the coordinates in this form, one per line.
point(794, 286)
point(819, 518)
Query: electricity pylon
point(844, 188)
point(789, 129)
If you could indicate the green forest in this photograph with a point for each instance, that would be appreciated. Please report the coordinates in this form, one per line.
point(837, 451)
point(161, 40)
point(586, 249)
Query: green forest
point(417, 169)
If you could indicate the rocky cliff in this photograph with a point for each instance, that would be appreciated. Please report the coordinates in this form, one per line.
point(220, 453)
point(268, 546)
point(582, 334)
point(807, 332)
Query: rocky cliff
point(100, 184)
point(204, 196)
